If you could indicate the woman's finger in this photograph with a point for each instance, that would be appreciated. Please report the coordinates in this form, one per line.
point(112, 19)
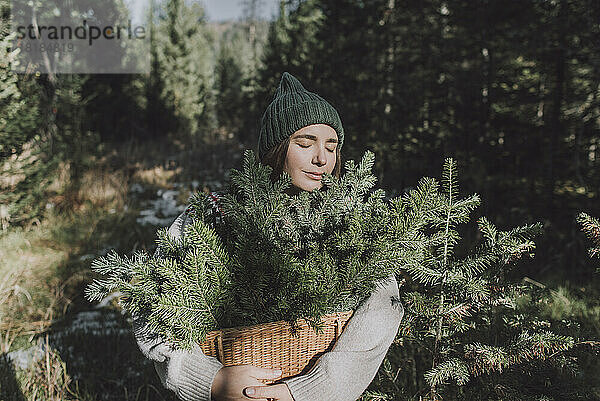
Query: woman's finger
point(264, 373)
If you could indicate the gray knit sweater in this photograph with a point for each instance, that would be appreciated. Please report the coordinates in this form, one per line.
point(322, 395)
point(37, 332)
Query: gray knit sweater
point(339, 375)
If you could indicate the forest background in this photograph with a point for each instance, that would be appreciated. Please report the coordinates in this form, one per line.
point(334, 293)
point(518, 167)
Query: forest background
point(88, 162)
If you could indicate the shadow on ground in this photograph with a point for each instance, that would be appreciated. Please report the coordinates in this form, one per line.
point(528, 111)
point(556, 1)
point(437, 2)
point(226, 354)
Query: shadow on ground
point(102, 357)
point(9, 384)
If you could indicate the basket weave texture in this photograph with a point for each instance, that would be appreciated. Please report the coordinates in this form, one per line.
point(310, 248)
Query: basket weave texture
point(272, 345)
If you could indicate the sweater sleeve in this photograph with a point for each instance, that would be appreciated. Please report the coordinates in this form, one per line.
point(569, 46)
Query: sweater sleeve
point(344, 373)
point(189, 374)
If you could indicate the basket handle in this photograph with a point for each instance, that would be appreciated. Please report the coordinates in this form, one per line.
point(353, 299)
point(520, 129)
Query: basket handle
point(220, 353)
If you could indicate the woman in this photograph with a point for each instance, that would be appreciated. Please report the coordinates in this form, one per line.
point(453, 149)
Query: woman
point(300, 134)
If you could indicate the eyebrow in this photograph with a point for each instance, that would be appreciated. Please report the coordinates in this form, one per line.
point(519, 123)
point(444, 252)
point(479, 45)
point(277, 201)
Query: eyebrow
point(314, 138)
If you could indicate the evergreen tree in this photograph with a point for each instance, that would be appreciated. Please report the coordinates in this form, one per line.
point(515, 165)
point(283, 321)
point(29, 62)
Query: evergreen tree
point(490, 83)
point(238, 59)
point(18, 122)
point(473, 332)
point(185, 67)
point(291, 46)
point(228, 83)
point(46, 134)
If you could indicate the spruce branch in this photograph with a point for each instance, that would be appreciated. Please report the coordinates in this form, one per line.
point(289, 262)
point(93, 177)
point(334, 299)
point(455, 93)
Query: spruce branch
point(591, 227)
point(305, 255)
point(451, 369)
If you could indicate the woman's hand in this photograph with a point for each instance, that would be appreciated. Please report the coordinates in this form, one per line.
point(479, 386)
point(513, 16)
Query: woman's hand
point(230, 382)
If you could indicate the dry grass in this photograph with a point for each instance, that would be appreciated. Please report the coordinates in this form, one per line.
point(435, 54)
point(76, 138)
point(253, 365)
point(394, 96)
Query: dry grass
point(44, 267)
point(41, 279)
point(157, 176)
point(35, 261)
point(47, 379)
point(98, 188)
point(29, 291)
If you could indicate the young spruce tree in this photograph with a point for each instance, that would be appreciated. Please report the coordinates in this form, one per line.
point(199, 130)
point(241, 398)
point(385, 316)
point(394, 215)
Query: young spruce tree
point(463, 318)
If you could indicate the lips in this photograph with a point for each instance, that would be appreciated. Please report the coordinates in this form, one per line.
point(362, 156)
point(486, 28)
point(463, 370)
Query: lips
point(314, 176)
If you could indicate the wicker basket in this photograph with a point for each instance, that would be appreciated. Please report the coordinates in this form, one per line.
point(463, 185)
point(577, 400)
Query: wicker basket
point(271, 345)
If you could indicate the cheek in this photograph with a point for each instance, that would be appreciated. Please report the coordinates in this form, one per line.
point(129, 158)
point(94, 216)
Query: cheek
point(296, 160)
point(331, 162)
point(292, 161)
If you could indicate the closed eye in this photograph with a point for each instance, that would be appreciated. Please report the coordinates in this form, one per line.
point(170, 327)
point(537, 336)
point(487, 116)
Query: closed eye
point(304, 145)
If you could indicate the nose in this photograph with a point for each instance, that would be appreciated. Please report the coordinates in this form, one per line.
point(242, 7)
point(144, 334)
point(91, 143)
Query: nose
point(319, 157)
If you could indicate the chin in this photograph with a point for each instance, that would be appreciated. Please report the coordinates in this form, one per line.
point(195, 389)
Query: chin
point(311, 186)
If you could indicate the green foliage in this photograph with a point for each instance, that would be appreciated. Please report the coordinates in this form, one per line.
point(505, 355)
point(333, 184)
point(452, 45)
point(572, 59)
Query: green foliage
point(291, 45)
point(591, 227)
point(229, 80)
point(498, 340)
point(184, 65)
point(333, 245)
point(182, 299)
point(324, 250)
point(17, 111)
point(41, 130)
point(305, 255)
point(463, 311)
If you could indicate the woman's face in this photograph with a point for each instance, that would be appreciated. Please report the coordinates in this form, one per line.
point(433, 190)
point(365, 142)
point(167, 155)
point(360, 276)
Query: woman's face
point(311, 153)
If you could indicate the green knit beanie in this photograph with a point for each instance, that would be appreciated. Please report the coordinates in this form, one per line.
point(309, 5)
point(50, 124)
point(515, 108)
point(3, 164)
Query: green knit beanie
point(292, 108)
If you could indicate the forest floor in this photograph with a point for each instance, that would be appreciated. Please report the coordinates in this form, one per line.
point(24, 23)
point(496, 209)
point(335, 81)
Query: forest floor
point(54, 343)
